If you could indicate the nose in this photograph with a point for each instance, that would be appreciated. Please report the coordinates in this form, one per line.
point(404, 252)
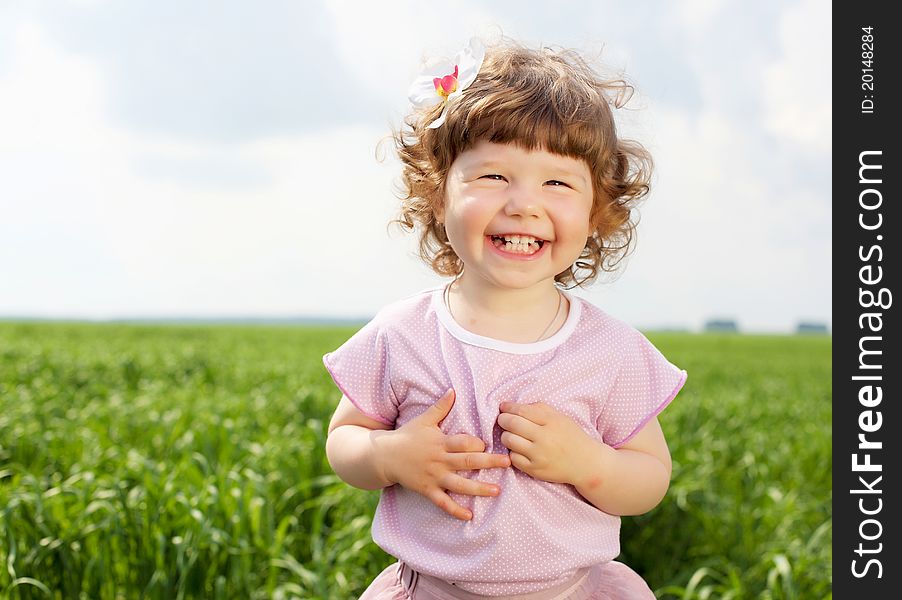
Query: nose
point(522, 202)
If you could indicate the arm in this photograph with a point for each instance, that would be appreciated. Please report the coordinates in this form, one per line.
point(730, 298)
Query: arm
point(354, 445)
point(629, 480)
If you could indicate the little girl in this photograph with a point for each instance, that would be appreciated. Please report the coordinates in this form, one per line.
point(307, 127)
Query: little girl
point(507, 422)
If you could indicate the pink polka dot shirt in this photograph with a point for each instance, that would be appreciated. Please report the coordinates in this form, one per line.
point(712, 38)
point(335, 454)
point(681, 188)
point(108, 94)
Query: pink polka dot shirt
point(597, 370)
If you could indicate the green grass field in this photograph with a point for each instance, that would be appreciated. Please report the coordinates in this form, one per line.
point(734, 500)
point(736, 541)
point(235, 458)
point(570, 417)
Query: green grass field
point(187, 462)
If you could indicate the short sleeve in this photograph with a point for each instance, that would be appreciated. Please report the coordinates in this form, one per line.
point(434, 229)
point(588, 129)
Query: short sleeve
point(361, 369)
point(646, 383)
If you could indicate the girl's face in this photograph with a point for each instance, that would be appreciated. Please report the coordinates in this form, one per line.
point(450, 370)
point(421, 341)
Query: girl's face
point(495, 192)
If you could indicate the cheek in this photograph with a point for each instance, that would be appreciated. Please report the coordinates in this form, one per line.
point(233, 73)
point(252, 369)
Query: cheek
point(468, 221)
point(578, 224)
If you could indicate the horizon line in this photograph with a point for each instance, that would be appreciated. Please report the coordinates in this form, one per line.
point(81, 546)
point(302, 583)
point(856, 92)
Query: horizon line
point(362, 320)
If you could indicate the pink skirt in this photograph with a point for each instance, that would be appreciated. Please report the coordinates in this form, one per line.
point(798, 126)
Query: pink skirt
point(607, 581)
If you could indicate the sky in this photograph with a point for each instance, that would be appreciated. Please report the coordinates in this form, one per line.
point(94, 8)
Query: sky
point(227, 159)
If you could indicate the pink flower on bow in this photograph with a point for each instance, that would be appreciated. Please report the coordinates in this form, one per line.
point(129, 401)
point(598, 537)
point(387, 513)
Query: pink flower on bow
point(443, 81)
point(447, 85)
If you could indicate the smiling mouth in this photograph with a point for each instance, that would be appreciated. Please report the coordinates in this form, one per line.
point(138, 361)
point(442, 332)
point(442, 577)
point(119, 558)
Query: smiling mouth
point(518, 244)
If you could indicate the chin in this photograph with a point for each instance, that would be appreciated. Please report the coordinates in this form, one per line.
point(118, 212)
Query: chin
point(519, 283)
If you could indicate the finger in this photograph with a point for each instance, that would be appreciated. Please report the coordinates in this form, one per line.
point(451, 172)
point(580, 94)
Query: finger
point(471, 461)
point(438, 411)
point(536, 412)
point(444, 502)
point(470, 487)
point(516, 443)
point(521, 462)
point(519, 425)
point(463, 442)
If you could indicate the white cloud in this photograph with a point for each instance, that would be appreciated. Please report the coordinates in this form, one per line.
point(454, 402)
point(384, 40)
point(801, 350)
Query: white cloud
point(722, 235)
point(798, 94)
point(385, 43)
point(697, 15)
point(85, 232)
point(731, 229)
point(104, 221)
point(51, 115)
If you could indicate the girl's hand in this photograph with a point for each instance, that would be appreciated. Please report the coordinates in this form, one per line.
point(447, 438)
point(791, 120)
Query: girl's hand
point(544, 443)
point(423, 459)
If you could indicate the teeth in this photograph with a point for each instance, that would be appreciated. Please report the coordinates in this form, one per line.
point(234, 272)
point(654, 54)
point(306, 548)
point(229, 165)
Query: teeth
point(519, 244)
point(518, 239)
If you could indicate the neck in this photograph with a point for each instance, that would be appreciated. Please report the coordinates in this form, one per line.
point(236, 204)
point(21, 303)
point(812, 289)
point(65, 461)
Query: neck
point(504, 302)
point(512, 314)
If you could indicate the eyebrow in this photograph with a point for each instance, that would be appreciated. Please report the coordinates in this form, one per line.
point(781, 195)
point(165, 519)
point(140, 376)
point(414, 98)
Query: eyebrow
point(576, 175)
point(487, 163)
point(491, 163)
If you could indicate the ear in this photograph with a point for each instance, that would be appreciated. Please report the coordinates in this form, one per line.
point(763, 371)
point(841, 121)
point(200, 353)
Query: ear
point(438, 209)
point(595, 219)
point(592, 224)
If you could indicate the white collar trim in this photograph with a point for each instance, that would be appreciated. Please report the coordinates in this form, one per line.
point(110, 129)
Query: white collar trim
point(468, 337)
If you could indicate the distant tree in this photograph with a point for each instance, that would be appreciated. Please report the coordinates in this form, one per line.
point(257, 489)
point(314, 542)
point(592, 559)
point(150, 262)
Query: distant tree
point(812, 327)
point(721, 325)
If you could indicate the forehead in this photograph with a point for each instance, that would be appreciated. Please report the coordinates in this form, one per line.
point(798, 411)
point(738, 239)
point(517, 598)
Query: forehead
point(485, 153)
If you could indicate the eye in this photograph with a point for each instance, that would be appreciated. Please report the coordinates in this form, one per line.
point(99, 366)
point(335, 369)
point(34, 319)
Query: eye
point(494, 177)
point(557, 183)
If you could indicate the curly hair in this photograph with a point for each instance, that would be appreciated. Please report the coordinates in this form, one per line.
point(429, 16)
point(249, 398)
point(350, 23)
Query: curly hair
point(539, 100)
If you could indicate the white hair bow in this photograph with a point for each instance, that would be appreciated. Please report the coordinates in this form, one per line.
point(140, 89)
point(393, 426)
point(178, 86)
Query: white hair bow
point(444, 80)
